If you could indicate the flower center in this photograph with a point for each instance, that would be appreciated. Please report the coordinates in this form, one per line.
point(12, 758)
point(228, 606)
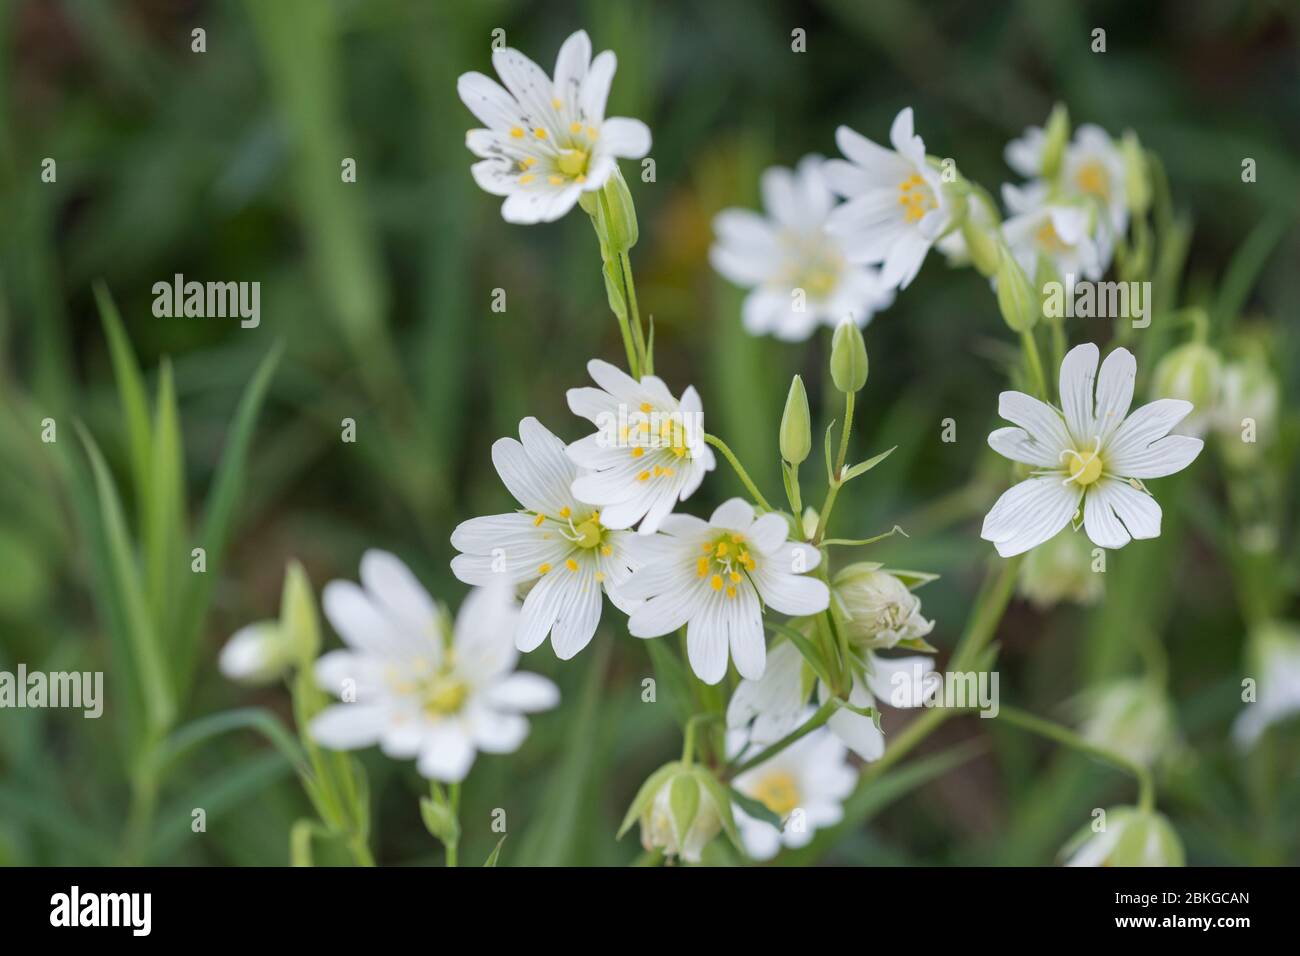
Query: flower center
point(445, 695)
point(724, 562)
point(779, 792)
point(590, 532)
point(1049, 238)
point(1084, 468)
point(1091, 177)
point(572, 162)
point(916, 198)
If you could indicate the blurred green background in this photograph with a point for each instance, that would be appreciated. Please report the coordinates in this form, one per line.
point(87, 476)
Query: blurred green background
point(225, 166)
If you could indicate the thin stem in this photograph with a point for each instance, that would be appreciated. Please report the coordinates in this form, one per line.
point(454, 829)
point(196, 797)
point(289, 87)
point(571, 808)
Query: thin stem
point(827, 507)
point(453, 801)
point(1067, 737)
point(823, 714)
point(727, 453)
point(844, 434)
point(634, 314)
point(1030, 347)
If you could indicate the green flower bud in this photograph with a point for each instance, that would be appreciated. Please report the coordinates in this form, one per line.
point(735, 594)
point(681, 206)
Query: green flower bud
point(1060, 570)
point(681, 809)
point(439, 820)
point(1055, 137)
point(1137, 179)
point(796, 427)
point(979, 231)
point(1132, 717)
point(879, 608)
point(257, 654)
point(848, 358)
point(618, 215)
point(1192, 372)
point(1017, 299)
point(298, 619)
point(1126, 836)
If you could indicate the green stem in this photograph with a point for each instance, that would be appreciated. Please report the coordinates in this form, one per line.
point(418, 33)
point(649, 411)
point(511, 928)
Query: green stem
point(634, 313)
point(1067, 737)
point(453, 801)
point(822, 715)
point(727, 453)
point(844, 435)
point(827, 507)
point(1030, 347)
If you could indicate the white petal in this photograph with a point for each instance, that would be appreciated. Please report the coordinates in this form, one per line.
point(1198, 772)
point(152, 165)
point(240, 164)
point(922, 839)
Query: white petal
point(571, 68)
point(1078, 378)
point(397, 591)
point(541, 609)
point(1148, 424)
point(595, 88)
point(489, 102)
point(523, 691)
point(1164, 457)
point(1030, 513)
point(484, 633)
point(579, 610)
point(349, 726)
point(706, 643)
point(794, 594)
point(1043, 423)
point(735, 514)
point(1016, 444)
point(745, 633)
point(625, 138)
point(1116, 511)
point(447, 753)
point(1114, 391)
point(900, 681)
point(364, 626)
point(497, 733)
point(769, 532)
point(537, 471)
point(1099, 520)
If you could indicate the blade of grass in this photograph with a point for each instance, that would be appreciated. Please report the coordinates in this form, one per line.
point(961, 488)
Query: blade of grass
point(130, 391)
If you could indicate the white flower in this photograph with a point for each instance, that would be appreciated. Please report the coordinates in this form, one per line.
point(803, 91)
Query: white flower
point(559, 542)
point(1025, 154)
point(1055, 232)
point(773, 705)
point(715, 579)
point(896, 205)
point(412, 688)
point(649, 452)
point(1093, 168)
point(1089, 459)
point(797, 270)
point(1275, 664)
point(256, 654)
point(805, 785)
point(547, 142)
point(879, 609)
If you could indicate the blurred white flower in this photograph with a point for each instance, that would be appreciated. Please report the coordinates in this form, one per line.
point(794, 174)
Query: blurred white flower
point(1275, 665)
point(256, 654)
point(547, 142)
point(1093, 168)
point(772, 706)
point(1246, 418)
point(1054, 232)
point(648, 452)
point(413, 688)
point(896, 206)
point(805, 785)
point(1193, 372)
point(1089, 458)
point(797, 270)
point(716, 579)
point(559, 542)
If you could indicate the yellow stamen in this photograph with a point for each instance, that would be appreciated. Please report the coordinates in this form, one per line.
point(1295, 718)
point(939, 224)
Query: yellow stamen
point(716, 582)
point(537, 522)
point(638, 451)
point(543, 568)
point(517, 132)
point(702, 567)
point(571, 564)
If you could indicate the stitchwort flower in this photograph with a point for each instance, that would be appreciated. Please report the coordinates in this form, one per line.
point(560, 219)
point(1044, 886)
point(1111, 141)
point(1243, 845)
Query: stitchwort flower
point(547, 140)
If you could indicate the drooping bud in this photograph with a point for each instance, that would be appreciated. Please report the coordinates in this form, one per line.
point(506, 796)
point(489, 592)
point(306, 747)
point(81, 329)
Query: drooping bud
point(619, 214)
point(257, 654)
point(1193, 372)
point(879, 608)
point(796, 425)
point(1125, 836)
point(680, 808)
point(1061, 570)
point(848, 358)
point(1132, 717)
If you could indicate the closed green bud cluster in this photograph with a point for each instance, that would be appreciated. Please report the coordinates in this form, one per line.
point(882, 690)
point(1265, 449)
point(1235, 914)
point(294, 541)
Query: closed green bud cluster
point(848, 358)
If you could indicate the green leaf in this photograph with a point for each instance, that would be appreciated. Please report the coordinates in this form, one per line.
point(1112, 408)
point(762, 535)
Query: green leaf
point(130, 391)
point(146, 660)
point(1246, 265)
point(440, 820)
point(163, 511)
point(863, 467)
point(199, 731)
point(495, 855)
point(859, 542)
point(756, 808)
point(913, 579)
point(215, 527)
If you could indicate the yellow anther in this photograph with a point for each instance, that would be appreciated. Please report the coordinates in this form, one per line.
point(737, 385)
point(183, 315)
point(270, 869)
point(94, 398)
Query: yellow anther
point(644, 476)
point(557, 102)
point(537, 522)
point(731, 592)
point(716, 582)
point(555, 180)
point(646, 407)
point(526, 178)
point(600, 576)
point(722, 549)
point(735, 578)
point(539, 133)
point(591, 132)
point(575, 127)
point(543, 568)
point(529, 162)
point(702, 567)
point(638, 451)
point(517, 132)
point(606, 550)
point(571, 564)
point(564, 512)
